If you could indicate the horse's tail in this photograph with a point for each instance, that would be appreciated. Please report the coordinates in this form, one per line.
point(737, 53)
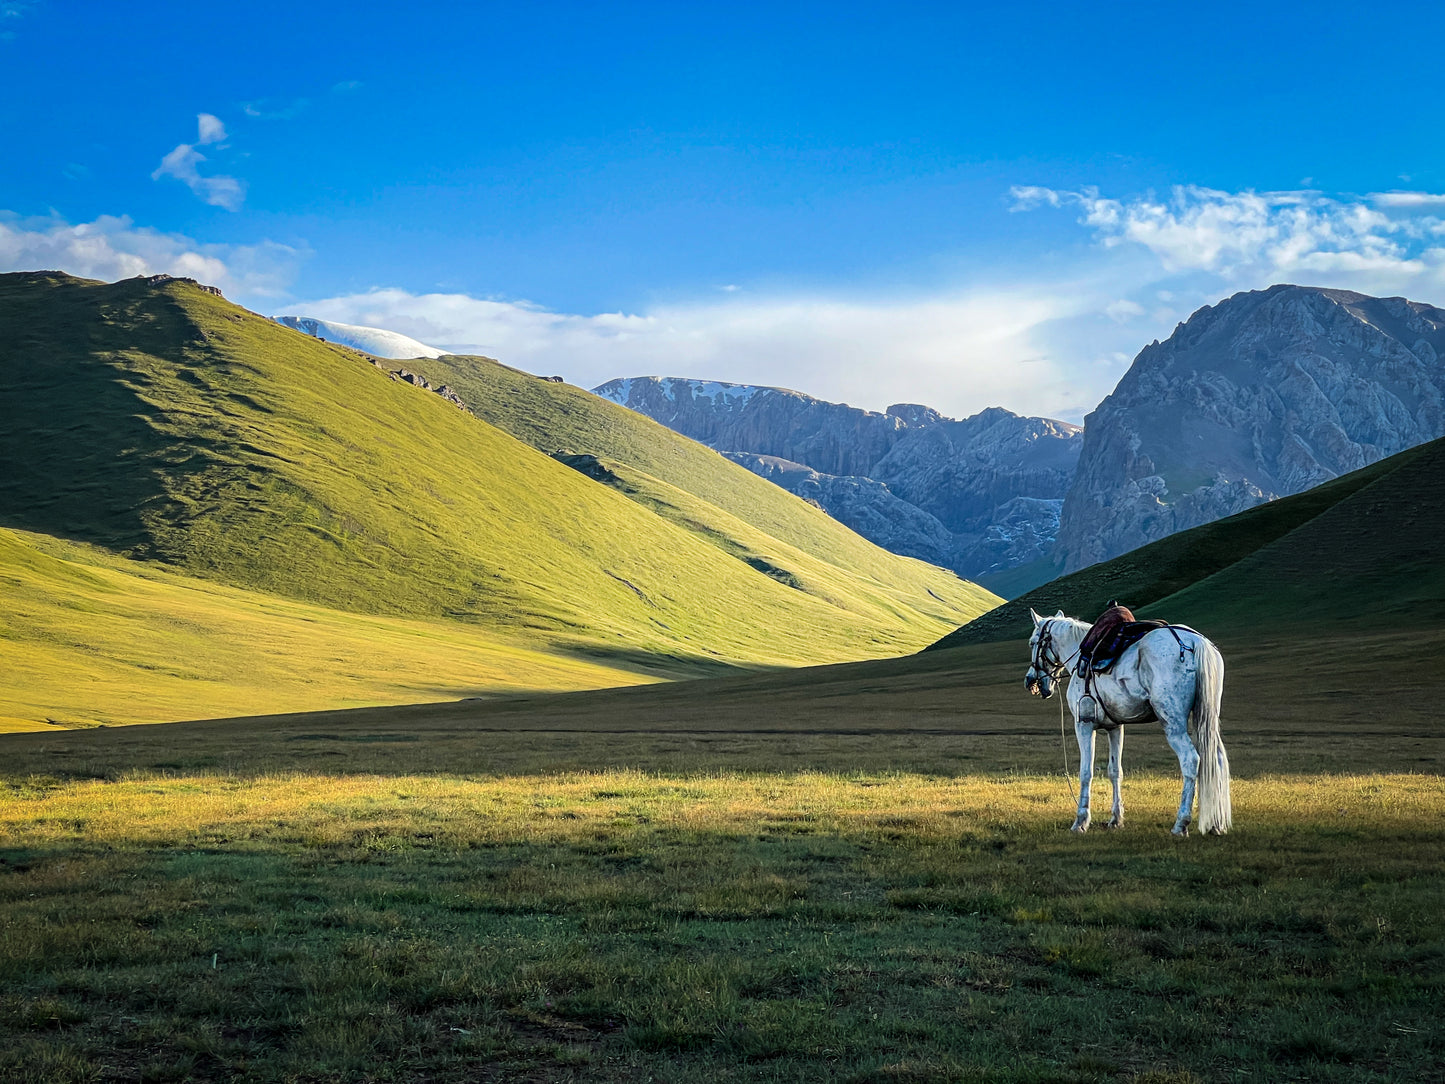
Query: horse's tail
point(1215, 815)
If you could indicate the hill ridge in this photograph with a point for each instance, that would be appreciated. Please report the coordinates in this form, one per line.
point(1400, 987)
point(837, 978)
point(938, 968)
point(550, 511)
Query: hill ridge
point(1189, 572)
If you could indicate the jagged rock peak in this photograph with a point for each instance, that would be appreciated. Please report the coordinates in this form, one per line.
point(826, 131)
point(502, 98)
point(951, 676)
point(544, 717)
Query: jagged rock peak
point(1264, 394)
point(915, 414)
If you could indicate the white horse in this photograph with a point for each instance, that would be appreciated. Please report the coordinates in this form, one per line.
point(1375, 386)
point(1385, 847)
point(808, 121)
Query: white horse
point(1173, 675)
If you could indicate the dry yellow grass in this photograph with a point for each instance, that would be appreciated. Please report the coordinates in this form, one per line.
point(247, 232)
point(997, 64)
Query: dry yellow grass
point(328, 811)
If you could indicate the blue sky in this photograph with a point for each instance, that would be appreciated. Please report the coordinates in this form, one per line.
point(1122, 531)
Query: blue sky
point(955, 204)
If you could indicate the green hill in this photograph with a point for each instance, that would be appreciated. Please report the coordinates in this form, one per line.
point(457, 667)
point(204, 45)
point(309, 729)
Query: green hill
point(1368, 547)
point(554, 417)
point(91, 639)
point(164, 425)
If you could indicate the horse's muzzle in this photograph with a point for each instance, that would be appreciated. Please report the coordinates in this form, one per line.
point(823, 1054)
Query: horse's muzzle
point(1038, 684)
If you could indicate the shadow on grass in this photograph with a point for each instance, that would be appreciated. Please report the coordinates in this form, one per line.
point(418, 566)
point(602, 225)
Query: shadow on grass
point(754, 929)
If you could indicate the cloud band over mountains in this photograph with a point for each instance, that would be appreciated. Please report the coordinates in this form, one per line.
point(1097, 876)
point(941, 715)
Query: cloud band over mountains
point(1039, 343)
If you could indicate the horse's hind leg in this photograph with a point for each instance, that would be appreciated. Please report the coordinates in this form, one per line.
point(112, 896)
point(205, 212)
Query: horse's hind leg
point(1176, 729)
point(1084, 732)
point(1116, 775)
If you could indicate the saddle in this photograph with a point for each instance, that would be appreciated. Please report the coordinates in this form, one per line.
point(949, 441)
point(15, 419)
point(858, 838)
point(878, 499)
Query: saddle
point(1115, 632)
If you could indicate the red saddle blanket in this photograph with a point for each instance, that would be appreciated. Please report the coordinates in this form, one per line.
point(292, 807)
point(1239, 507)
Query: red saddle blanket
point(1113, 634)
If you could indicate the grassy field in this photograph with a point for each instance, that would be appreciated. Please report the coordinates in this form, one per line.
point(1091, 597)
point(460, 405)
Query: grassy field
point(846, 873)
point(93, 640)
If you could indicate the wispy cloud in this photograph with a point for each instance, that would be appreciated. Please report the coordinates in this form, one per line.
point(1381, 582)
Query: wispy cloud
point(183, 163)
point(115, 248)
point(1383, 241)
point(1412, 200)
point(1036, 345)
point(274, 109)
point(959, 352)
point(11, 12)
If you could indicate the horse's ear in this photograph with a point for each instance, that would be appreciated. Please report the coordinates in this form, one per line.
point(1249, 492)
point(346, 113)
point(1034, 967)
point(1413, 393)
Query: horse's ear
point(1037, 619)
point(1059, 614)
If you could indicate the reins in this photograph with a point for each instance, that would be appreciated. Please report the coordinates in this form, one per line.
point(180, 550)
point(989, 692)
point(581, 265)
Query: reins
point(1064, 750)
point(1046, 642)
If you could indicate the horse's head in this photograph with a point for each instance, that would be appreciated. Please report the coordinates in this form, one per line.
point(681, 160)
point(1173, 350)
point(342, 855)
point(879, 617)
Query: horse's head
point(1045, 665)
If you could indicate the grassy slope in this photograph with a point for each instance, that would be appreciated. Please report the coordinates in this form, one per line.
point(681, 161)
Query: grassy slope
point(1374, 530)
point(1375, 558)
point(166, 423)
point(552, 417)
point(92, 639)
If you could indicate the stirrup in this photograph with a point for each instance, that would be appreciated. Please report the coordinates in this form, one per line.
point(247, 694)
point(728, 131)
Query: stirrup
point(1089, 710)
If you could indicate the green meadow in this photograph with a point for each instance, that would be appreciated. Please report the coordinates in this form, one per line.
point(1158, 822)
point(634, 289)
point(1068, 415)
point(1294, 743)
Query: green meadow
point(853, 872)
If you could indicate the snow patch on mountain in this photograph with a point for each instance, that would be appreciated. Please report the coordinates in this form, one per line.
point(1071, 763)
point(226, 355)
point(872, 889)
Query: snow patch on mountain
point(372, 340)
point(676, 388)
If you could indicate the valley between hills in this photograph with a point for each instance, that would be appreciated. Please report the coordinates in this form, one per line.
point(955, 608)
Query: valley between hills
point(422, 825)
point(209, 514)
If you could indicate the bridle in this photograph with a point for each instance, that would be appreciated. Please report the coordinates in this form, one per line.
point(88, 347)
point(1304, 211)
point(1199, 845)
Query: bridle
point(1045, 643)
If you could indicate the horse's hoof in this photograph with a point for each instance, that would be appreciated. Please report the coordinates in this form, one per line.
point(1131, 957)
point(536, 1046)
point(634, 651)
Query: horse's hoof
point(1080, 826)
point(1182, 831)
point(1117, 822)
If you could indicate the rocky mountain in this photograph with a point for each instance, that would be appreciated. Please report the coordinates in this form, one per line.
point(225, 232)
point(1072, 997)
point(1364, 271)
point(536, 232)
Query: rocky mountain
point(862, 505)
point(1264, 394)
point(372, 340)
point(977, 495)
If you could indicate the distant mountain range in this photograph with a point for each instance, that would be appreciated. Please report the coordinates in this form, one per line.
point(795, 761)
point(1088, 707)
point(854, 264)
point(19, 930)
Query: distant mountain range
point(1263, 395)
point(977, 495)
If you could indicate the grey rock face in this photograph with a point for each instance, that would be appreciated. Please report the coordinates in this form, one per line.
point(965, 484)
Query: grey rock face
point(909, 479)
point(829, 437)
point(965, 471)
point(1265, 394)
point(862, 505)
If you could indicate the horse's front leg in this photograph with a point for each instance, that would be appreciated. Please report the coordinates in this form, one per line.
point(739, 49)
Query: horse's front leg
point(1177, 731)
point(1116, 775)
point(1084, 732)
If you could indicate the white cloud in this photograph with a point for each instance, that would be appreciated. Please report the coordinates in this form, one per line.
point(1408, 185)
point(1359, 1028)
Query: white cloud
point(183, 163)
point(211, 128)
point(958, 352)
point(11, 11)
point(115, 248)
point(1407, 199)
point(1373, 243)
point(1123, 310)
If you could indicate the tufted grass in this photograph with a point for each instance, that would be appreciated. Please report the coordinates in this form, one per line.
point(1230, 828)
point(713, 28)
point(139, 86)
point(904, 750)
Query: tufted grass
point(779, 926)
